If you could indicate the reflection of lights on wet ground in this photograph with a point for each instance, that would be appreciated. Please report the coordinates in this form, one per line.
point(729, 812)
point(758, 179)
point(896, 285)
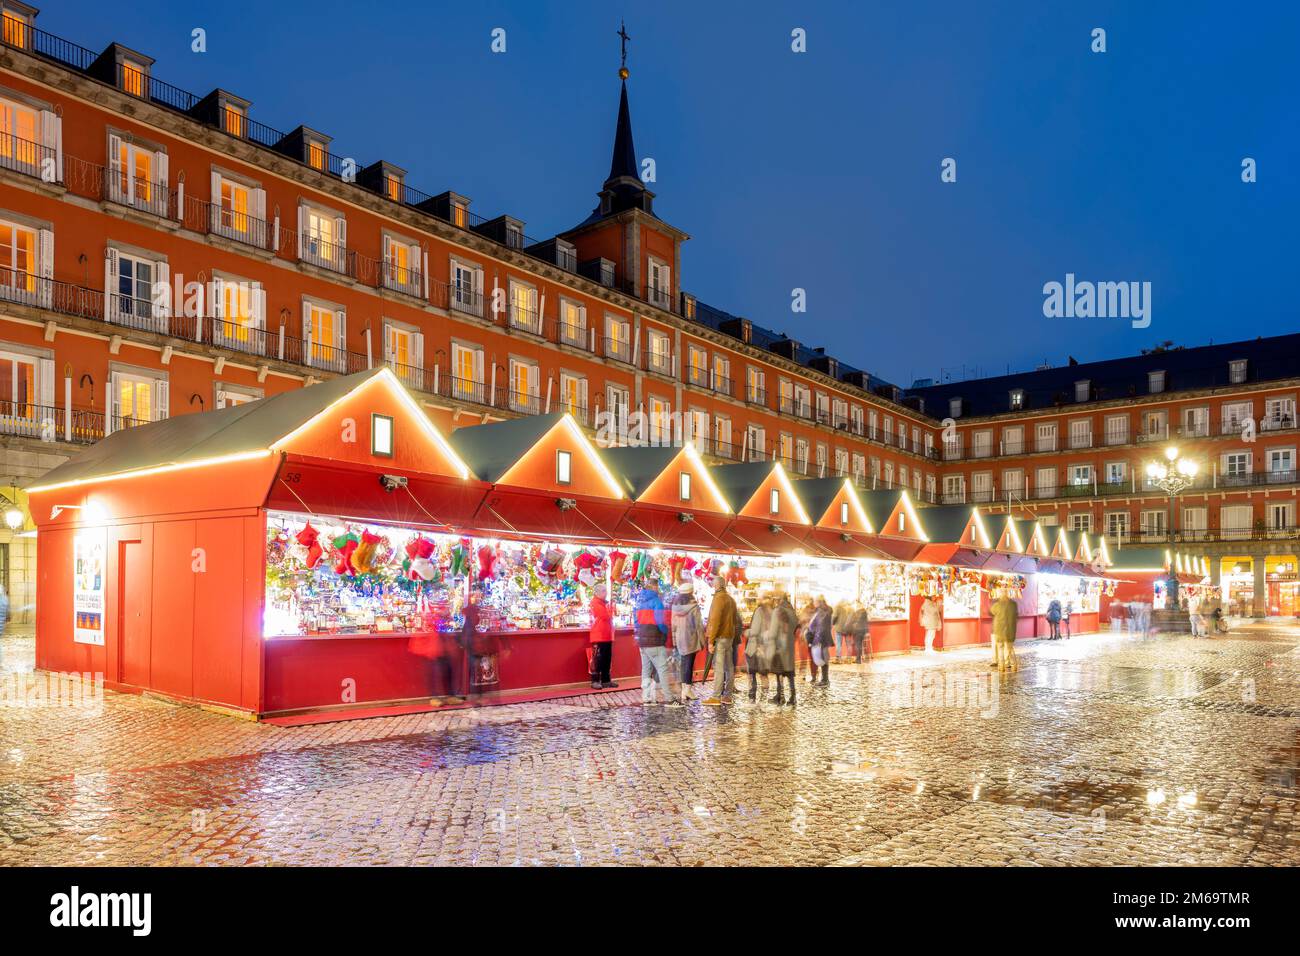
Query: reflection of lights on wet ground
point(702, 812)
point(1156, 797)
point(920, 787)
point(975, 795)
point(1187, 799)
point(16, 755)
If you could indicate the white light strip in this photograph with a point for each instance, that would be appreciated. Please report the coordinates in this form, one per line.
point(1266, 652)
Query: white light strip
point(157, 470)
point(911, 513)
point(387, 376)
point(703, 470)
point(979, 523)
point(857, 506)
point(567, 421)
point(788, 490)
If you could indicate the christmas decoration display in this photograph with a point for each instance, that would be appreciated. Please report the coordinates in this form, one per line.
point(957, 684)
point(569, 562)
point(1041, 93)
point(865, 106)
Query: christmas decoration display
point(617, 559)
point(343, 547)
point(308, 538)
point(736, 574)
point(586, 567)
point(460, 558)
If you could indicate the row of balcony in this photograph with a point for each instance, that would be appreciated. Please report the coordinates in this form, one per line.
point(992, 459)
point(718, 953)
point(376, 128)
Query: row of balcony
point(1102, 489)
point(1231, 426)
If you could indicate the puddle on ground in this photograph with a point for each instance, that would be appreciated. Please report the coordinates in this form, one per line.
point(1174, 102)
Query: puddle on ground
point(1134, 681)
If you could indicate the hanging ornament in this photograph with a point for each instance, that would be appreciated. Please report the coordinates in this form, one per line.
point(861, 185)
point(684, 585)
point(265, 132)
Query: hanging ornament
point(307, 537)
point(586, 566)
point(344, 546)
point(363, 556)
point(617, 560)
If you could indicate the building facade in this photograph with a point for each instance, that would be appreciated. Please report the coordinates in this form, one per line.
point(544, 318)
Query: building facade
point(163, 252)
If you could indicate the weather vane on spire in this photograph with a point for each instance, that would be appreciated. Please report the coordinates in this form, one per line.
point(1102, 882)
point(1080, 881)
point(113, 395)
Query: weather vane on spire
point(623, 38)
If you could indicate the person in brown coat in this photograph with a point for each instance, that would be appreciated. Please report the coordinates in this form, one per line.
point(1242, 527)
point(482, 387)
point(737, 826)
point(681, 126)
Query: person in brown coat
point(1005, 615)
point(720, 634)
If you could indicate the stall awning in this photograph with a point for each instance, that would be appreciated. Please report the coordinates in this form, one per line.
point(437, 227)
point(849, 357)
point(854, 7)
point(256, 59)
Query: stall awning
point(653, 525)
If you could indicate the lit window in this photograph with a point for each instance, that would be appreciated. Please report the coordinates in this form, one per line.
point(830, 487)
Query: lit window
point(774, 501)
point(844, 512)
point(132, 78)
point(17, 29)
point(381, 435)
point(316, 156)
point(393, 188)
point(459, 214)
point(684, 486)
point(902, 522)
point(563, 467)
point(233, 118)
point(1017, 399)
point(1237, 371)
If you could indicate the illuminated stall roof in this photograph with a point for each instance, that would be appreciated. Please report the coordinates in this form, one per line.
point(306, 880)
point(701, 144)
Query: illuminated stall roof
point(653, 475)
point(1033, 537)
point(748, 488)
point(1009, 537)
point(670, 510)
point(1061, 547)
point(958, 537)
point(822, 497)
point(893, 515)
point(1141, 559)
point(525, 453)
point(251, 430)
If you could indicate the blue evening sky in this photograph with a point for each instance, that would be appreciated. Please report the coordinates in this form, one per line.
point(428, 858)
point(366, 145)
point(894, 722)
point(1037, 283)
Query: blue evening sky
point(821, 170)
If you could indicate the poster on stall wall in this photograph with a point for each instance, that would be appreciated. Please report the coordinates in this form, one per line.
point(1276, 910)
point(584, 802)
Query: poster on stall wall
point(89, 547)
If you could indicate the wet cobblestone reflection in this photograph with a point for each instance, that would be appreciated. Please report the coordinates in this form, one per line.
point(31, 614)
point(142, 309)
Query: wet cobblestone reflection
point(1101, 750)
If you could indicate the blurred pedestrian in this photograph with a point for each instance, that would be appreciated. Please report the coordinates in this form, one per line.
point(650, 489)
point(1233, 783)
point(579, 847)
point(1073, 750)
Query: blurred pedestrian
point(1005, 616)
point(1054, 619)
point(821, 639)
point(688, 636)
point(839, 621)
point(859, 628)
point(784, 624)
point(760, 646)
point(652, 641)
point(931, 621)
point(720, 635)
point(602, 640)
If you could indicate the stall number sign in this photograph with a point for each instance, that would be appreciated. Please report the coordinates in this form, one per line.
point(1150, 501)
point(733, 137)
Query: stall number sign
point(88, 570)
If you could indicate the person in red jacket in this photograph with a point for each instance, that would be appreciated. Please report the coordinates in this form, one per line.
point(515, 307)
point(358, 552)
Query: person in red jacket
point(602, 641)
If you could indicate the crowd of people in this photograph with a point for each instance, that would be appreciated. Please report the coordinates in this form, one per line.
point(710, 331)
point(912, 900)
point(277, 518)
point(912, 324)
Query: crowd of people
point(672, 633)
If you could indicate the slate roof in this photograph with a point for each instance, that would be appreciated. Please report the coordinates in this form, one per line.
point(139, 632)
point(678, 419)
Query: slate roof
point(817, 494)
point(880, 504)
point(492, 449)
point(944, 524)
point(740, 481)
point(637, 468)
point(1205, 366)
point(239, 429)
point(1138, 558)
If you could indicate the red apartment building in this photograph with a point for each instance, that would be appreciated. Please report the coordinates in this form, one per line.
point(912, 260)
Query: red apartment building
point(287, 266)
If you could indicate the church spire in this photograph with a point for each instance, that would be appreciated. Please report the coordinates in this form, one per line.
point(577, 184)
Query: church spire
point(623, 166)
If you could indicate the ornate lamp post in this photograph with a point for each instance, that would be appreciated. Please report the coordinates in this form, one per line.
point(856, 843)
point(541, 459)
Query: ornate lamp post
point(1173, 476)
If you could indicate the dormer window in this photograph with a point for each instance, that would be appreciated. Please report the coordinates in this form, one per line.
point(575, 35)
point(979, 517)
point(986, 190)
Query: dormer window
point(1082, 390)
point(1017, 399)
point(393, 187)
point(316, 154)
point(234, 119)
point(1237, 371)
point(514, 235)
point(954, 408)
point(134, 76)
point(460, 213)
point(1155, 382)
point(18, 25)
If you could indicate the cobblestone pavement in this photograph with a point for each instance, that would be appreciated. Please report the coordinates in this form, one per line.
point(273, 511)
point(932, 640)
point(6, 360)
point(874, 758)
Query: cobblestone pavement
point(1102, 749)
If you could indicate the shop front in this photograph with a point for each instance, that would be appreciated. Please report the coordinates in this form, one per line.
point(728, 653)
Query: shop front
point(329, 550)
point(1283, 585)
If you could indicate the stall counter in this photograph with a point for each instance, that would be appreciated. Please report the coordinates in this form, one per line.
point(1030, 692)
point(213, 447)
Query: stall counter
point(329, 670)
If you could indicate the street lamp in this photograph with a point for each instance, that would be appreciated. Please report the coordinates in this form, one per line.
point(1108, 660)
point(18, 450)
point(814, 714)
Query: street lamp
point(1173, 476)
